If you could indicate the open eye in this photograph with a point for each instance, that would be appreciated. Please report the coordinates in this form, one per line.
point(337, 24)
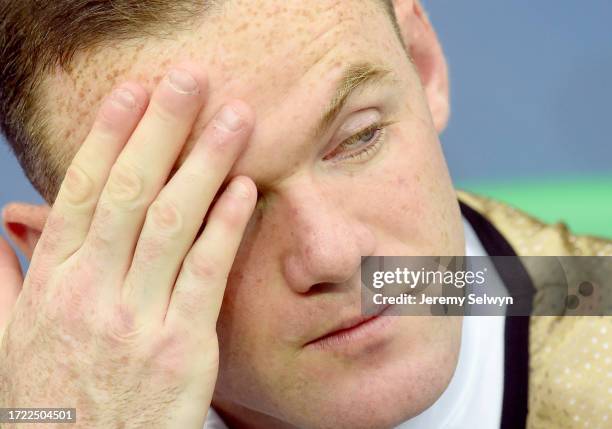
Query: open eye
point(361, 145)
point(367, 136)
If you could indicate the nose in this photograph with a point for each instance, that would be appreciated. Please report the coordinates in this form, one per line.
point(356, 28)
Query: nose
point(327, 239)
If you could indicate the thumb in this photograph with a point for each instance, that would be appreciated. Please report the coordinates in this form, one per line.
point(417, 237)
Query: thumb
point(11, 281)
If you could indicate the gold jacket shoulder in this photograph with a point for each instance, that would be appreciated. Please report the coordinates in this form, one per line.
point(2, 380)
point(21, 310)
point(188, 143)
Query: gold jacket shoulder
point(570, 357)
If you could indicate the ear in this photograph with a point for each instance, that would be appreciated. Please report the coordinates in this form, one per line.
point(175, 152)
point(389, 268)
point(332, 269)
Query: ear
point(424, 48)
point(24, 223)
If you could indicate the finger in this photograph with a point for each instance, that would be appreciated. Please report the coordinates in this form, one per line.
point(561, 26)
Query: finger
point(11, 281)
point(72, 212)
point(144, 165)
point(177, 214)
point(198, 293)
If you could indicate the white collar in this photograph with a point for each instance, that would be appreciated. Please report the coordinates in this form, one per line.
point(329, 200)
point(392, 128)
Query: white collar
point(473, 399)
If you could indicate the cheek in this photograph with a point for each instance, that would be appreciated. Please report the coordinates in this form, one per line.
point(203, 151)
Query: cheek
point(255, 364)
point(251, 318)
point(431, 346)
point(410, 198)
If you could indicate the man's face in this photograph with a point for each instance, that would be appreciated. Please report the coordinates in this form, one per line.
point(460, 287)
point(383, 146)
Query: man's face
point(326, 199)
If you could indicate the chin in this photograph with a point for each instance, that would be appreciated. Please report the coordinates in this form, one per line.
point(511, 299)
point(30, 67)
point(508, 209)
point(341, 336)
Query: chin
point(379, 385)
point(384, 391)
point(384, 400)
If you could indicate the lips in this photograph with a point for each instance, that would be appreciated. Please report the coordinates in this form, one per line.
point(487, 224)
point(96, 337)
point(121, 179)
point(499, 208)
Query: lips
point(348, 325)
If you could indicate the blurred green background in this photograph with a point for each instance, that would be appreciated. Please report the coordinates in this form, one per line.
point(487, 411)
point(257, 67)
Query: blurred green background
point(584, 203)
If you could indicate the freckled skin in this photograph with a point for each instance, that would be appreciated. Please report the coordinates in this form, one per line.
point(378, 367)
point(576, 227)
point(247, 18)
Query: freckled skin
point(315, 219)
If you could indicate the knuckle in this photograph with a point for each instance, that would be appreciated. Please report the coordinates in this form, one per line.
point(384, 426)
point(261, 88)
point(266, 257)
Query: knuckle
point(125, 185)
point(78, 185)
point(54, 228)
point(149, 252)
point(204, 344)
point(71, 306)
point(122, 328)
point(38, 279)
point(187, 302)
point(165, 217)
point(203, 267)
point(77, 291)
point(170, 356)
point(102, 234)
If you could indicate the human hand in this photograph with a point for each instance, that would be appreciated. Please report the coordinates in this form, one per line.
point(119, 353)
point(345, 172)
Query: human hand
point(11, 280)
point(117, 315)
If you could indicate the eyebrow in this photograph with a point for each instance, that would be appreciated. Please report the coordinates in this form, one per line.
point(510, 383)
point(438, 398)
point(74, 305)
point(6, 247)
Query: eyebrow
point(355, 77)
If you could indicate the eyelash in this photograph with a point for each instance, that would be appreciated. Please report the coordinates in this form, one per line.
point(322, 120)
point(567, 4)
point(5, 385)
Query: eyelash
point(369, 149)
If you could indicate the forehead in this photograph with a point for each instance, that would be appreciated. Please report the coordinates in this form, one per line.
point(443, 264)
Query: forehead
point(281, 57)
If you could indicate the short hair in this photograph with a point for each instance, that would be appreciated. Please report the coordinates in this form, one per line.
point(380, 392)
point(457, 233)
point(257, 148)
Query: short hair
point(39, 35)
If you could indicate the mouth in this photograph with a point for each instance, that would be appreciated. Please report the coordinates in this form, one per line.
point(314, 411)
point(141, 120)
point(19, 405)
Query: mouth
point(355, 331)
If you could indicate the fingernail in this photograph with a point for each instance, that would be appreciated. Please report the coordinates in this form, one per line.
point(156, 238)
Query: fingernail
point(230, 119)
point(182, 81)
point(239, 189)
point(124, 98)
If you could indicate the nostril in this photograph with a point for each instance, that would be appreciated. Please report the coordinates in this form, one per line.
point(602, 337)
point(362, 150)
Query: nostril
point(321, 288)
